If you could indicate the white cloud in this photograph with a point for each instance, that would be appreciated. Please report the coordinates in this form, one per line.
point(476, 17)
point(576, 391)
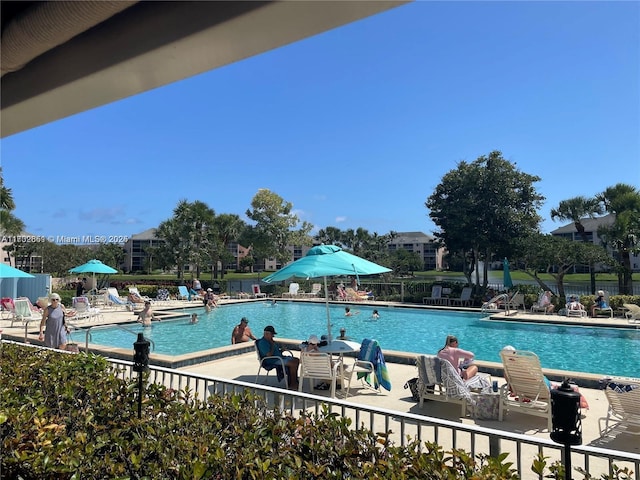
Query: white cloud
point(341, 219)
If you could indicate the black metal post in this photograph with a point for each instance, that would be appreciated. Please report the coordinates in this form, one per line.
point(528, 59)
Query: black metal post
point(566, 455)
point(565, 418)
point(140, 364)
point(140, 395)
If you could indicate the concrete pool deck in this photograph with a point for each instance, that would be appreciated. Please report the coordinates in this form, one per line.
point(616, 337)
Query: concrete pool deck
point(239, 362)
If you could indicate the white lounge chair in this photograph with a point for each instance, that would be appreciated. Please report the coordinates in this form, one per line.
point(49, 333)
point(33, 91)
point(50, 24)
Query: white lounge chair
point(294, 288)
point(526, 390)
point(255, 288)
point(623, 395)
point(316, 288)
point(633, 312)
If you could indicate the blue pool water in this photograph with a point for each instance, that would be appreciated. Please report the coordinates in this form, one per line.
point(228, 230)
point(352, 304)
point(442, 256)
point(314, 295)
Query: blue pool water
point(603, 350)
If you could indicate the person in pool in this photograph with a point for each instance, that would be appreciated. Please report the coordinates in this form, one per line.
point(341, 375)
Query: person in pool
point(242, 332)
point(375, 315)
point(194, 318)
point(349, 313)
point(146, 315)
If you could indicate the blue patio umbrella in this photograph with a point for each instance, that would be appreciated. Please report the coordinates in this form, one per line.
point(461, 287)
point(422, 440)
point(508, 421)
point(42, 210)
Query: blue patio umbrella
point(506, 274)
point(93, 266)
point(7, 271)
point(326, 261)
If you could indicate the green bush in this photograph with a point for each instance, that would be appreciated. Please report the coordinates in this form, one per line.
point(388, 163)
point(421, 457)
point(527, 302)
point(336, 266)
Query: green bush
point(72, 417)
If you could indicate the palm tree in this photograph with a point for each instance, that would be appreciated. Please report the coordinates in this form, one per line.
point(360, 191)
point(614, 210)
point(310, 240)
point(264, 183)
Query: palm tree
point(227, 229)
point(622, 201)
point(9, 224)
point(575, 209)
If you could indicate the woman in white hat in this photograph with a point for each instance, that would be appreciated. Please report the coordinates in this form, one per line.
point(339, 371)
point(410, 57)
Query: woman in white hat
point(55, 336)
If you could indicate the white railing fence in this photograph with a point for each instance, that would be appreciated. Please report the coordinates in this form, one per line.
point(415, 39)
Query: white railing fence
point(404, 426)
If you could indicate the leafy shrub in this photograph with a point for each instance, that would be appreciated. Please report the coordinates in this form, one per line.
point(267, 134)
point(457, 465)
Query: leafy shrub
point(72, 417)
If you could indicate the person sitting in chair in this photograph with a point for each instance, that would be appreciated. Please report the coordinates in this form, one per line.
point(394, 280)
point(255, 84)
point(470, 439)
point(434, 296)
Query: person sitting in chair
point(574, 303)
point(600, 303)
point(460, 359)
point(267, 347)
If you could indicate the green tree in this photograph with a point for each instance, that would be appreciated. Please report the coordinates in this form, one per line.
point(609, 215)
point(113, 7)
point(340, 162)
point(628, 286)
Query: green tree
point(482, 207)
point(187, 235)
point(274, 224)
point(574, 210)
point(539, 253)
point(329, 236)
point(404, 262)
point(227, 228)
point(9, 224)
point(623, 236)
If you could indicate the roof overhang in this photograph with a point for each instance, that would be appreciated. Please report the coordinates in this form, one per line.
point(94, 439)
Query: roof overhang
point(144, 46)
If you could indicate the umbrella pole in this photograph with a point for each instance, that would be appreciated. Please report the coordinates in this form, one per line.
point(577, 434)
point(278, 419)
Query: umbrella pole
point(326, 301)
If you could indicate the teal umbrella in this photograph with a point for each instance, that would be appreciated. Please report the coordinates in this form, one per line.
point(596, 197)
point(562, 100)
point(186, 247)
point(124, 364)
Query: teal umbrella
point(506, 274)
point(326, 261)
point(9, 272)
point(93, 266)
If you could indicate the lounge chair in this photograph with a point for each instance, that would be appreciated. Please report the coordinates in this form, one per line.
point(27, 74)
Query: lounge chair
point(135, 292)
point(440, 381)
point(113, 299)
point(633, 312)
point(84, 309)
point(23, 311)
point(515, 302)
point(255, 288)
point(318, 366)
point(464, 300)
point(8, 308)
point(538, 306)
point(604, 310)
point(575, 309)
point(436, 296)
point(316, 288)
point(273, 363)
point(526, 390)
point(623, 414)
point(183, 293)
point(294, 288)
point(355, 296)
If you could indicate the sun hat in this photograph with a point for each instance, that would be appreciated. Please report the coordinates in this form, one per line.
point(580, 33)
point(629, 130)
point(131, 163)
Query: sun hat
point(269, 328)
point(313, 339)
point(510, 348)
point(209, 290)
point(600, 293)
point(55, 296)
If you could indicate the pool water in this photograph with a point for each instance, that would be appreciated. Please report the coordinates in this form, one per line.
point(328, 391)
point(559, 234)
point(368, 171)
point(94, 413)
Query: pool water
point(605, 351)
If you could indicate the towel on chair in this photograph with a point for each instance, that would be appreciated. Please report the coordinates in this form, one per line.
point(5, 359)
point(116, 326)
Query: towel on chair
point(370, 351)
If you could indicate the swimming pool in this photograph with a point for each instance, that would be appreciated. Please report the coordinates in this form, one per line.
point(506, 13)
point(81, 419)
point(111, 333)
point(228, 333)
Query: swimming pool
point(606, 351)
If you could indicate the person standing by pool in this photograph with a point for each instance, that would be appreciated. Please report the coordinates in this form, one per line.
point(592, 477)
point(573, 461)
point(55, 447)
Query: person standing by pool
point(242, 332)
point(55, 335)
point(267, 347)
point(197, 286)
point(146, 314)
point(460, 359)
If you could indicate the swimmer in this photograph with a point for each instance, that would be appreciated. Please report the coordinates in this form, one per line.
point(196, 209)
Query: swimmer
point(194, 318)
point(375, 315)
point(349, 313)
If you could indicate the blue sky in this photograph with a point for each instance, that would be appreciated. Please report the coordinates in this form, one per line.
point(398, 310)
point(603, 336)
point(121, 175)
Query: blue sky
point(355, 126)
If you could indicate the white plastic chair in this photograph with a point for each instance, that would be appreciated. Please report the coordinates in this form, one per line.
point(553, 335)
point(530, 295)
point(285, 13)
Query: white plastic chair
point(318, 366)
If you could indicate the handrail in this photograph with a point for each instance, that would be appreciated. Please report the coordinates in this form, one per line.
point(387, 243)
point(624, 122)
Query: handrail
point(115, 325)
